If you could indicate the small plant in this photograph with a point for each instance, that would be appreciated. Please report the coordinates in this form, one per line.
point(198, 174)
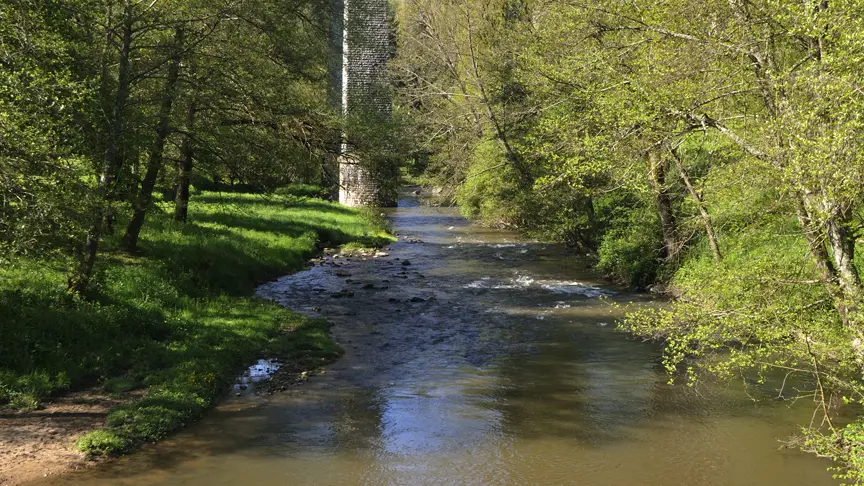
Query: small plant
point(26, 392)
point(103, 442)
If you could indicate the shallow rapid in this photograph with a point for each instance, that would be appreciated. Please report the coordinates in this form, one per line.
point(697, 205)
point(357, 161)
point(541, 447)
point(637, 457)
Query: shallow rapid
point(474, 358)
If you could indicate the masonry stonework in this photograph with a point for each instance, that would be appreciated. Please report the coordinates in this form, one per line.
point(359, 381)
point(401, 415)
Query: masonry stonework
point(365, 44)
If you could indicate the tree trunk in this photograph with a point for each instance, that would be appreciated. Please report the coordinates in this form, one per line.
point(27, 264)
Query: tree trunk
point(80, 277)
point(706, 218)
point(588, 235)
point(154, 163)
point(184, 168)
point(842, 243)
point(845, 300)
point(821, 258)
point(668, 225)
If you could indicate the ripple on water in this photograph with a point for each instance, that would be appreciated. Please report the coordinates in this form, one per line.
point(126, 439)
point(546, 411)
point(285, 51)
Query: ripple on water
point(512, 283)
point(578, 288)
point(553, 286)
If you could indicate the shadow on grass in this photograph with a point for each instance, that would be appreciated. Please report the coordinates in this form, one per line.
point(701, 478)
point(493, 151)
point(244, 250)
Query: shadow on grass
point(274, 202)
point(325, 231)
point(45, 337)
point(215, 260)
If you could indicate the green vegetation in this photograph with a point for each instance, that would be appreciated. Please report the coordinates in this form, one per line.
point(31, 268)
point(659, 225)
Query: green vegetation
point(711, 148)
point(179, 320)
point(302, 190)
point(158, 160)
point(106, 105)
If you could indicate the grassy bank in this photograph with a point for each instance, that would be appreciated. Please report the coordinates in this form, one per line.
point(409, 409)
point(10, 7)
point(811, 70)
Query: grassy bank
point(179, 320)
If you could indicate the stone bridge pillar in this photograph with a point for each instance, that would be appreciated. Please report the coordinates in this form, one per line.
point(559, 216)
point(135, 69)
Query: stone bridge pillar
point(363, 44)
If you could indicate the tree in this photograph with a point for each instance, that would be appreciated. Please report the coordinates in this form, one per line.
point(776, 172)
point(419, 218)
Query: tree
point(155, 162)
point(713, 146)
point(260, 113)
point(47, 72)
point(113, 162)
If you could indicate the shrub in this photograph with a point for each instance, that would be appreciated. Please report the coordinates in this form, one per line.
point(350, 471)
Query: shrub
point(630, 250)
point(103, 442)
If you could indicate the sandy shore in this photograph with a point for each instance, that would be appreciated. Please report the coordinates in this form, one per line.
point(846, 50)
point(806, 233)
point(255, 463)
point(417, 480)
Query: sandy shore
point(38, 444)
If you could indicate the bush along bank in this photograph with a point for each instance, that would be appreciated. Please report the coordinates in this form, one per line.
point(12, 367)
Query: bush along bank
point(178, 321)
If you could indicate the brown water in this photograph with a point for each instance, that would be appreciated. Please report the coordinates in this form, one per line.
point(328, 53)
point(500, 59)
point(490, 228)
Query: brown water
point(513, 374)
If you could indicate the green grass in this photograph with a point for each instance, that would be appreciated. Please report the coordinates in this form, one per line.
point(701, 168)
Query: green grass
point(302, 190)
point(178, 320)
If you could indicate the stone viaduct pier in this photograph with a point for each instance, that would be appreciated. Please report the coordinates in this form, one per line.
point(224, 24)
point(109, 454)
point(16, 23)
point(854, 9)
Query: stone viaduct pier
point(362, 39)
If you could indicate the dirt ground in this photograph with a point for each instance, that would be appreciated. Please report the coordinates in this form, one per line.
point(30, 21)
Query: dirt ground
point(38, 444)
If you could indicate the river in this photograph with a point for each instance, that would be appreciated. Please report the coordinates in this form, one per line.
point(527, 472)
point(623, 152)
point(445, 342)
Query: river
point(509, 371)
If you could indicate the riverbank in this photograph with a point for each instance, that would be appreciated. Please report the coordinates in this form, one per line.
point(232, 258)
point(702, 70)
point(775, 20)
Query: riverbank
point(165, 333)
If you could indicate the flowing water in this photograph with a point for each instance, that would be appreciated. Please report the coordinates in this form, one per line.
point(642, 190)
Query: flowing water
point(508, 371)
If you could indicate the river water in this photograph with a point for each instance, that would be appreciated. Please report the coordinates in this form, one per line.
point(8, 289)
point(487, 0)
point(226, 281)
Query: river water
point(508, 372)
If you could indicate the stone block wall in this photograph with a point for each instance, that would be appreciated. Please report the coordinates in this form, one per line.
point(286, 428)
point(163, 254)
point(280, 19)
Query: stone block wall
point(366, 46)
point(358, 185)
